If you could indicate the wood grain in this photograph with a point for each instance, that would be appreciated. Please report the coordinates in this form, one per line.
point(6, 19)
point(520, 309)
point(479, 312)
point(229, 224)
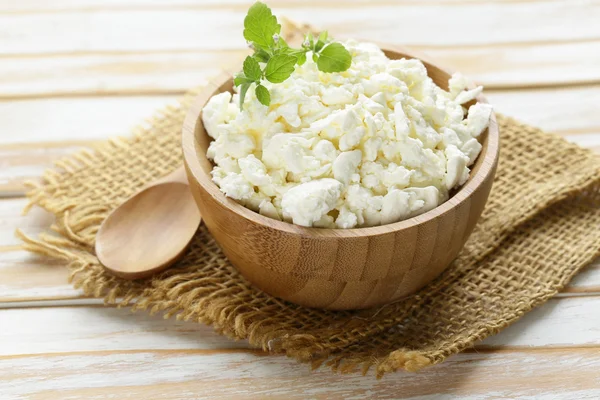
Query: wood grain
point(75, 118)
point(27, 277)
point(98, 328)
point(557, 323)
point(587, 281)
point(42, 6)
point(11, 218)
point(158, 223)
point(166, 72)
point(554, 109)
point(547, 374)
point(23, 162)
point(55, 50)
point(560, 323)
point(110, 74)
point(132, 30)
point(96, 352)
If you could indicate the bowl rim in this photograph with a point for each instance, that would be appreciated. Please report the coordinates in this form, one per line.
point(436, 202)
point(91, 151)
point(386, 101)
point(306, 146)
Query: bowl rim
point(195, 170)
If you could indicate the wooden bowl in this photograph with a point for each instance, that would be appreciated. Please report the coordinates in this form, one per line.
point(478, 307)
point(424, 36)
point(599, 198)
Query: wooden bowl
point(338, 268)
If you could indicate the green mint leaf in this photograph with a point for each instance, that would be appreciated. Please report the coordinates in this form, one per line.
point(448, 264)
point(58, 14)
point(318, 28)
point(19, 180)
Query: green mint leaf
point(280, 67)
point(321, 42)
point(261, 55)
point(240, 79)
point(260, 25)
point(243, 91)
point(334, 58)
point(263, 95)
point(315, 58)
point(252, 69)
point(301, 58)
point(323, 36)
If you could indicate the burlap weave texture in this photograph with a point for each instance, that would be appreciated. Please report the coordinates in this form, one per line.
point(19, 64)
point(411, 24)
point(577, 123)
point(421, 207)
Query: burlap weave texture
point(540, 226)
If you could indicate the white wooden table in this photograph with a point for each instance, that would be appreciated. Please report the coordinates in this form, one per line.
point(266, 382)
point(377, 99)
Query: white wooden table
point(75, 72)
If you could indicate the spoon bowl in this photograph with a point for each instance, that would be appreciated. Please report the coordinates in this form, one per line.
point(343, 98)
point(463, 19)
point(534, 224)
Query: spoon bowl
point(149, 231)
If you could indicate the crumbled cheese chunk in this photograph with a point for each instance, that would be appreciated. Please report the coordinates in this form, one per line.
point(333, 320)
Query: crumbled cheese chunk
point(375, 144)
point(345, 165)
point(309, 202)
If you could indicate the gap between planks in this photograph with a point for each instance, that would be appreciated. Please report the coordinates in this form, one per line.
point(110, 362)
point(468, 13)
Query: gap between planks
point(234, 49)
point(83, 95)
point(262, 353)
point(240, 50)
point(217, 350)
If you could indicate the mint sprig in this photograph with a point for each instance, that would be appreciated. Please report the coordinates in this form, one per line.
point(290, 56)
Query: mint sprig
point(262, 30)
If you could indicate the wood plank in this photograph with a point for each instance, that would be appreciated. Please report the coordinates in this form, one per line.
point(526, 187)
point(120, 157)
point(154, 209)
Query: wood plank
point(587, 281)
point(25, 162)
point(529, 65)
point(492, 66)
point(41, 6)
point(75, 118)
point(100, 328)
point(106, 74)
point(554, 109)
point(561, 323)
point(241, 374)
point(29, 277)
point(11, 218)
point(557, 323)
point(174, 29)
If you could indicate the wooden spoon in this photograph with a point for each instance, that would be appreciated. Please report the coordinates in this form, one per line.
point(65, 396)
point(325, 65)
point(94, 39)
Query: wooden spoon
point(150, 230)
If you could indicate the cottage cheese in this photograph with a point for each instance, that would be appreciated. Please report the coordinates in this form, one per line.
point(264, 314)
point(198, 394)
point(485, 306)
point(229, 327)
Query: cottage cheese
point(373, 145)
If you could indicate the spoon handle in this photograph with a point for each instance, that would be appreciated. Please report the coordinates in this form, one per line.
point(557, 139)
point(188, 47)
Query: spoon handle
point(179, 175)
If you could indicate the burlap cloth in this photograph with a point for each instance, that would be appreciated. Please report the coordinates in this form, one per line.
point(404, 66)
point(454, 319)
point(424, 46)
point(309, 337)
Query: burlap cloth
point(540, 226)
